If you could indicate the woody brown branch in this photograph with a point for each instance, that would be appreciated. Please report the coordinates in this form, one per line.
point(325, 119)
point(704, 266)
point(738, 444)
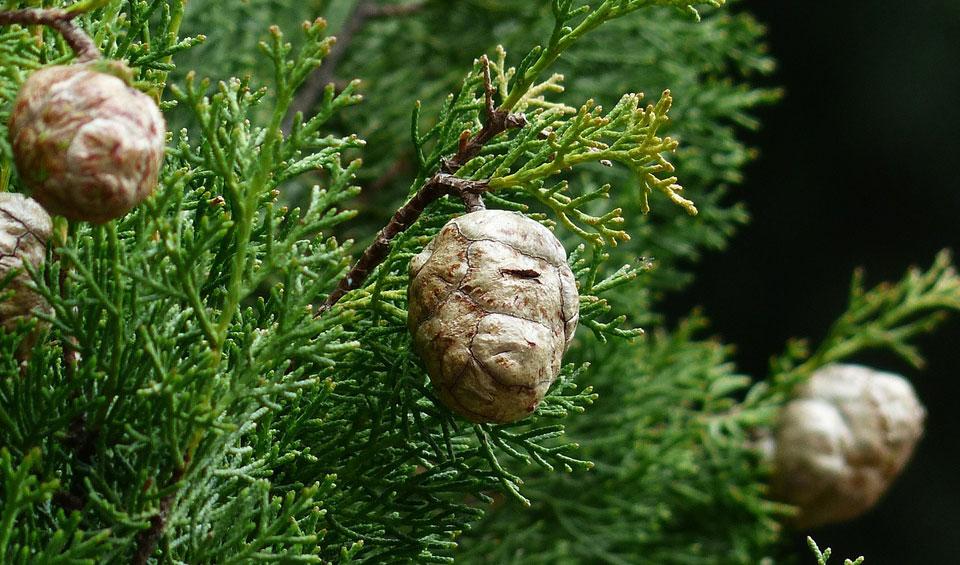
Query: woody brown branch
point(442, 183)
point(60, 20)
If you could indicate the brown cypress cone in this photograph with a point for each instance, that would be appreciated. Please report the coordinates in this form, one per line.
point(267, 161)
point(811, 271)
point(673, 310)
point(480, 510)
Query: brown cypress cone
point(842, 440)
point(87, 144)
point(493, 307)
point(25, 228)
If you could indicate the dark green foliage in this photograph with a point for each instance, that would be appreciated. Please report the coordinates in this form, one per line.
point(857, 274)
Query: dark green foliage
point(676, 480)
point(189, 406)
point(677, 476)
point(182, 347)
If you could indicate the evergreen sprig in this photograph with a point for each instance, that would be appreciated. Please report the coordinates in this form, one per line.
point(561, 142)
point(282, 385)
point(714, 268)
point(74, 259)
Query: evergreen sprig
point(887, 316)
point(181, 348)
point(823, 556)
point(626, 134)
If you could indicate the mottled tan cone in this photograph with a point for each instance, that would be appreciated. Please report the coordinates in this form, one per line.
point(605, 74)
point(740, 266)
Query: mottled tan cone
point(842, 440)
point(87, 145)
point(493, 308)
point(25, 228)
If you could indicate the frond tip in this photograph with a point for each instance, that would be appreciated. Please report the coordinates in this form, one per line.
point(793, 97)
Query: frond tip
point(626, 135)
point(823, 556)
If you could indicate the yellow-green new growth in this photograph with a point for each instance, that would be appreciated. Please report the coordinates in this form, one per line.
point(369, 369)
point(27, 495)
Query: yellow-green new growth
point(627, 135)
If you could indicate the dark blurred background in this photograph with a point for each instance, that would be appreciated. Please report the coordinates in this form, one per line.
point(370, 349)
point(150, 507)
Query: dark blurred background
point(859, 166)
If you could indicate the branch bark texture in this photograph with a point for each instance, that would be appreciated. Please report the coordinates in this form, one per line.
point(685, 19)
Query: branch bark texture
point(60, 20)
point(442, 183)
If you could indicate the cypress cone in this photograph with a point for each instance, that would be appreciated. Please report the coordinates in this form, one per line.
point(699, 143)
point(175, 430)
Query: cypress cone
point(25, 228)
point(493, 308)
point(87, 144)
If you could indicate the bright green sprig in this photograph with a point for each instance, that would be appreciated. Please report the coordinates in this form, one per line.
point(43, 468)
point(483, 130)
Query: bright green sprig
point(627, 135)
point(823, 556)
point(570, 212)
point(886, 316)
point(536, 95)
point(554, 143)
point(176, 294)
point(257, 526)
point(251, 162)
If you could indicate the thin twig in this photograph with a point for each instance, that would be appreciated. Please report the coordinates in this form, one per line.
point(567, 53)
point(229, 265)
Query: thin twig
point(60, 20)
point(364, 11)
point(440, 184)
point(498, 121)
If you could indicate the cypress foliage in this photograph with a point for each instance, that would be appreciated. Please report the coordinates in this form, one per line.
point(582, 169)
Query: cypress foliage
point(192, 401)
